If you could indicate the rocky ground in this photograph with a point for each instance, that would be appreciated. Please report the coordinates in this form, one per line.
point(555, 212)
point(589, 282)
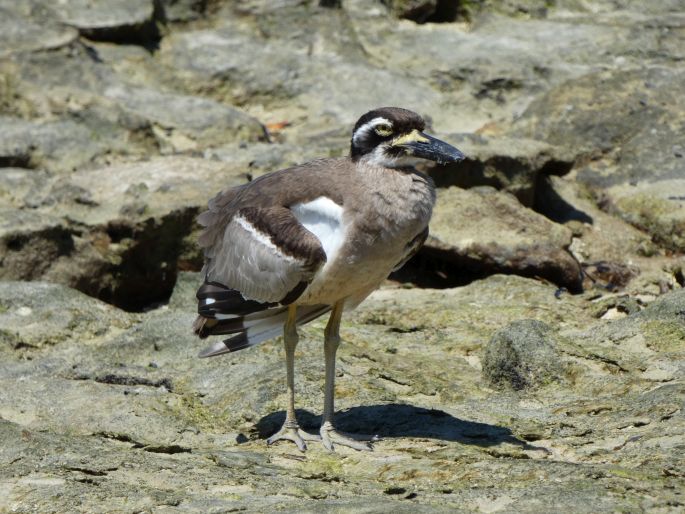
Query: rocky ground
point(531, 358)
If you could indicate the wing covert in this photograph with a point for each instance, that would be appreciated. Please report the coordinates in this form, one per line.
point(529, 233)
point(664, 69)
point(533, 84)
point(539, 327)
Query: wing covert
point(266, 254)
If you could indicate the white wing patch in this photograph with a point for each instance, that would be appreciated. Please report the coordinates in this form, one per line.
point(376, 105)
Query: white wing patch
point(323, 218)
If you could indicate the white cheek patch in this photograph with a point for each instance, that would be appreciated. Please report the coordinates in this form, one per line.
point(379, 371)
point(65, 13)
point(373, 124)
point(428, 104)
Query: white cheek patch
point(323, 218)
point(363, 131)
point(379, 157)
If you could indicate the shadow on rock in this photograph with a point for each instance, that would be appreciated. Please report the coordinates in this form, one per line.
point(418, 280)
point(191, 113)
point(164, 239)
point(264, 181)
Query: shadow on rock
point(551, 204)
point(399, 420)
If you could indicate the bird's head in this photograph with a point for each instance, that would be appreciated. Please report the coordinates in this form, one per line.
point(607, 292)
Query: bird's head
point(391, 136)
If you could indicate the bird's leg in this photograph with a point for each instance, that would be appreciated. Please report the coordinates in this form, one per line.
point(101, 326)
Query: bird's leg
point(291, 430)
point(329, 435)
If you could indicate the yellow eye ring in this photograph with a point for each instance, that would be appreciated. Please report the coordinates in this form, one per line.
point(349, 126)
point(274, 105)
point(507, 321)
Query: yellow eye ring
point(383, 130)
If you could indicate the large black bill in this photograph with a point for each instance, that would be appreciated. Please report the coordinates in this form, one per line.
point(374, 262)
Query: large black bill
point(434, 150)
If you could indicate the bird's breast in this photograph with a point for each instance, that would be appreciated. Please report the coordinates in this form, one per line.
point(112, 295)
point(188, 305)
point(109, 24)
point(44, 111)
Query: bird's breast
point(367, 236)
point(395, 209)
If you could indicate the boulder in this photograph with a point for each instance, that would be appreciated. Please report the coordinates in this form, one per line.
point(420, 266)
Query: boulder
point(516, 166)
point(626, 121)
point(118, 232)
point(28, 320)
point(523, 355)
point(481, 231)
point(130, 21)
point(31, 26)
point(186, 123)
point(61, 145)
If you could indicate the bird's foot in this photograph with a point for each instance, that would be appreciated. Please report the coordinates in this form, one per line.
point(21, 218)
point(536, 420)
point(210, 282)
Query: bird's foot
point(331, 437)
point(292, 432)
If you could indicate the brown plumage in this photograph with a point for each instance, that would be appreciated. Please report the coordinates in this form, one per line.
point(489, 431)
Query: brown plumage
point(318, 237)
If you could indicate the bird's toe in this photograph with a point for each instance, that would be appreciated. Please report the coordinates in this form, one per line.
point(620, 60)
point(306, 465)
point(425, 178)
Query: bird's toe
point(330, 437)
point(294, 434)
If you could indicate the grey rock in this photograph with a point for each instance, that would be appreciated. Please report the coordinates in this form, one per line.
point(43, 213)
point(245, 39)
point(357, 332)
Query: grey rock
point(28, 319)
point(31, 26)
point(609, 6)
point(31, 244)
point(657, 335)
point(183, 10)
point(517, 166)
point(484, 231)
point(409, 369)
point(669, 308)
point(491, 71)
point(118, 232)
point(187, 123)
point(229, 63)
point(630, 119)
point(61, 146)
point(523, 355)
point(117, 20)
point(17, 184)
point(183, 296)
point(657, 208)
point(624, 103)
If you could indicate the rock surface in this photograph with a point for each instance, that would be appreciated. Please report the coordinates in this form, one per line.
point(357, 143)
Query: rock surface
point(491, 393)
point(605, 437)
point(118, 232)
point(485, 231)
point(631, 126)
point(522, 355)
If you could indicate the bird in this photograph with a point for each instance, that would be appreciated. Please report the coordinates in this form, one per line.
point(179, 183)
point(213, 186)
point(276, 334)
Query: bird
point(312, 239)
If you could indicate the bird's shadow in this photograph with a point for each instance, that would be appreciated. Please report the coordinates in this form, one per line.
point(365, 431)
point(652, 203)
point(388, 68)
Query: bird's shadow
point(400, 420)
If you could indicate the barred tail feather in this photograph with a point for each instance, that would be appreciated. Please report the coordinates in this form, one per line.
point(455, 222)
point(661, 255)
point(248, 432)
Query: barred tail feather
point(263, 329)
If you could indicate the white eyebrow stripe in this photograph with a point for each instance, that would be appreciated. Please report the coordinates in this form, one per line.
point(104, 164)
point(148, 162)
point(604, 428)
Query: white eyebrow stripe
point(367, 127)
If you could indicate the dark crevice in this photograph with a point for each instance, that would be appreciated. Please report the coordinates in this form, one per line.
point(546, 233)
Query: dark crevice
point(551, 205)
point(91, 472)
point(124, 438)
point(134, 381)
point(127, 381)
point(466, 174)
point(149, 261)
point(392, 379)
point(442, 11)
point(16, 161)
point(168, 449)
point(494, 89)
point(146, 34)
point(434, 269)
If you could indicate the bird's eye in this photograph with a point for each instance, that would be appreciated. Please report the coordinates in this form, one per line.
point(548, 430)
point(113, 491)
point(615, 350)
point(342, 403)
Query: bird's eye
point(383, 130)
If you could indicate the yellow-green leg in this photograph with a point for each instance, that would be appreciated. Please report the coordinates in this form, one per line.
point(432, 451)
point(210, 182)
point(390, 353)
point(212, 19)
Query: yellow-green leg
point(329, 435)
point(291, 430)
